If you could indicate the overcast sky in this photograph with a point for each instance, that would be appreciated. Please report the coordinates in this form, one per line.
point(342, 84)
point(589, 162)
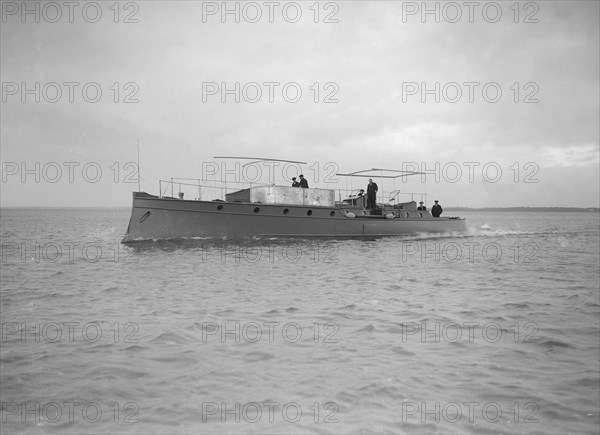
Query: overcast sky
point(369, 74)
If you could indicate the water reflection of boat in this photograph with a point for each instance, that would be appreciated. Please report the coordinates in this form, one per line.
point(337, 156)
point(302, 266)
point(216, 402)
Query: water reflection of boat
point(279, 211)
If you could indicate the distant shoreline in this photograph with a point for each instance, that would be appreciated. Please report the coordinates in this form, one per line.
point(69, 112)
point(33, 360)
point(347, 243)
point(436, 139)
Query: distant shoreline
point(533, 209)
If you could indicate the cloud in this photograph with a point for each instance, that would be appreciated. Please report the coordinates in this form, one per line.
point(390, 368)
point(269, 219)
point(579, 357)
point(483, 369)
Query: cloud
point(582, 155)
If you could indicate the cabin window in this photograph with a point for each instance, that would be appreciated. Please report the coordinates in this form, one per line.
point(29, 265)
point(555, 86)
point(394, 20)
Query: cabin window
point(256, 209)
point(332, 213)
point(220, 207)
point(309, 212)
point(286, 210)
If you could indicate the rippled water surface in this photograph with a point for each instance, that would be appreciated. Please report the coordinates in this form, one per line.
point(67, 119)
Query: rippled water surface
point(493, 331)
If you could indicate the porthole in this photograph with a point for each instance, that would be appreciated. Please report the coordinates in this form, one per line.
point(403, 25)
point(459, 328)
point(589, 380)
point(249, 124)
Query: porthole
point(286, 210)
point(309, 212)
point(256, 209)
point(220, 207)
point(332, 213)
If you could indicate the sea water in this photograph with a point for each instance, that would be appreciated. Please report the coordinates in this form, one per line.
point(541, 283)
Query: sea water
point(491, 331)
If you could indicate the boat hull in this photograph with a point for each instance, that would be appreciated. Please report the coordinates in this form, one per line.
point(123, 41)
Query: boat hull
point(155, 218)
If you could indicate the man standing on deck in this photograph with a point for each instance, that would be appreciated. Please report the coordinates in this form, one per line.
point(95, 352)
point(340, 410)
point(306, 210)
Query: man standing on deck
point(295, 183)
point(303, 182)
point(372, 194)
point(436, 210)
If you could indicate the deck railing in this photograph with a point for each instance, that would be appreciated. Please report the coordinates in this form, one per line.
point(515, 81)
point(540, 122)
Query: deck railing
point(198, 189)
point(205, 190)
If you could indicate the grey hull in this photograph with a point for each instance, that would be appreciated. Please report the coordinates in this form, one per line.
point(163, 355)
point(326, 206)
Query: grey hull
point(154, 218)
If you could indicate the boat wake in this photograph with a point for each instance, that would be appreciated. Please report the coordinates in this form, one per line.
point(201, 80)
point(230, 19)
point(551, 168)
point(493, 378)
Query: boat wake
point(483, 231)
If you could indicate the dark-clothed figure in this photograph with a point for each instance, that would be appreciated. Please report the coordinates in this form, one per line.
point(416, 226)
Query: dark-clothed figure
point(436, 210)
point(295, 183)
point(421, 206)
point(303, 182)
point(359, 199)
point(372, 194)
